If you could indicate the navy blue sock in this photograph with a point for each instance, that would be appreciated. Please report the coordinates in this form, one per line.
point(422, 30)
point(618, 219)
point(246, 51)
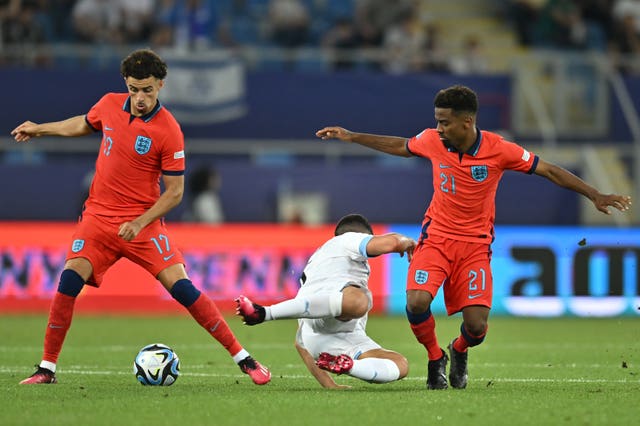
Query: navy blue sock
point(472, 340)
point(185, 292)
point(418, 318)
point(423, 326)
point(70, 283)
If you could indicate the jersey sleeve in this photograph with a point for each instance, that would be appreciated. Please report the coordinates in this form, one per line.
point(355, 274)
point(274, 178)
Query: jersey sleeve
point(173, 158)
point(419, 144)
point(356, 244)
point(514, 157)
point(94, 116)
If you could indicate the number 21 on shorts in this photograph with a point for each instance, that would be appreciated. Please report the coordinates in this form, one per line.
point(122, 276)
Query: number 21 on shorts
point(477, 283)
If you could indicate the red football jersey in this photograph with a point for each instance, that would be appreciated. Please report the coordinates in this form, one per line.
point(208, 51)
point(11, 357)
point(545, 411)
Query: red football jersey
point(134, 153)
point(464, 185)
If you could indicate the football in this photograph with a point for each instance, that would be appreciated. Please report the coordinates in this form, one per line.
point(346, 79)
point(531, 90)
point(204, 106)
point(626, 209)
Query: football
point(156, 365)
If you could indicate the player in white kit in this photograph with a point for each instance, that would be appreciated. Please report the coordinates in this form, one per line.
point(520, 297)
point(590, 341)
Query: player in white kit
point(332, 306)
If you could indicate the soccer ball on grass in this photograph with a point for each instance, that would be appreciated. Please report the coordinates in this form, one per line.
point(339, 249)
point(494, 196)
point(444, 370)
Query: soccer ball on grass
point(156, 365)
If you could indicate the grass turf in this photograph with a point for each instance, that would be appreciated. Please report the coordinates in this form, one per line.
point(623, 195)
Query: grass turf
point(529, 371)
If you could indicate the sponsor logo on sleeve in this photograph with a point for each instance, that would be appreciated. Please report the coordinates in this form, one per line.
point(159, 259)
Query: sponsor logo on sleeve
point(177, 155)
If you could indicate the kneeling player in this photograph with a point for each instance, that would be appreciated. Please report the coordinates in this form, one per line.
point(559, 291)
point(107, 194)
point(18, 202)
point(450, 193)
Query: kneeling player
point(332, 307)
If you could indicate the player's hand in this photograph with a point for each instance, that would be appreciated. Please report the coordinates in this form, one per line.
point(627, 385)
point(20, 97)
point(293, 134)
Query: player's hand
point(604, 201)
point(129, 230)
point(334, 132)
point(410, 252)
point(25, 131)
point(409, 246)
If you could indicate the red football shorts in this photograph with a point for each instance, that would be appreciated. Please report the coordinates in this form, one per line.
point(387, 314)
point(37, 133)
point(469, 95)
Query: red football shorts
point(96, 239)
point(462, 268)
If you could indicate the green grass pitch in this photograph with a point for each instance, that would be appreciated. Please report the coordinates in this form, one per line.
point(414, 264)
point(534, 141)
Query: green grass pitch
point(567, 371)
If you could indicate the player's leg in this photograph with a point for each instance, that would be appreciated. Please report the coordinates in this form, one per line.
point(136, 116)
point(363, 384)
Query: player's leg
point(88, 258)
point(472, 332)
point(380, 366)
point(474, 327)
point(318, 305)
point(470, 292)
point(427, 272)
point(347, 303)
point(423, 326)
point(153, 249)
point(323, 377)
point(354, 354)
point(76, 272)
point(356, 302)
point(174, 278)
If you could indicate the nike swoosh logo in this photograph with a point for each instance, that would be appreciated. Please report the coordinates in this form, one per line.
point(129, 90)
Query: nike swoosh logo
point(215, 327)
point(473, 296)
point(444, 166)
point(55, 326)
point(107, 128)
point(168, 257)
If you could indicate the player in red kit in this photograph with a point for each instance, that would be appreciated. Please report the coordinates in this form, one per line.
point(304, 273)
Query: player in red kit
point(142, 144)
point(454, 248)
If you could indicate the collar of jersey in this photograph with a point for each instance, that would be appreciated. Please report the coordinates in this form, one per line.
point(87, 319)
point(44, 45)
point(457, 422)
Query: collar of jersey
point(473, 150)
point(148, 116)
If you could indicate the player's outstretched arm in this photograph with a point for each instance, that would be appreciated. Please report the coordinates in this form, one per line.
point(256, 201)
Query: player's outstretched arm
point(566, 179)
point(324, 378)
point(391, 243)
point(393, 145)
point(74, 126)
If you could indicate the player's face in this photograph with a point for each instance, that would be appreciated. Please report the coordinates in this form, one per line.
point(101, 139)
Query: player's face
point(454, 128)
point(143, 93)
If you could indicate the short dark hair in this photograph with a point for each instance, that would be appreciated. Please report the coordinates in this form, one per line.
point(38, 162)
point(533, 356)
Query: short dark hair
point(458, 98)
point(353, 223)
point(143, 63)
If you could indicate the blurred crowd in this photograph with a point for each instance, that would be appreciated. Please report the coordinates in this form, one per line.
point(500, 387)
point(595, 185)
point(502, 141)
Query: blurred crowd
point(611, 26)
point(410, 39)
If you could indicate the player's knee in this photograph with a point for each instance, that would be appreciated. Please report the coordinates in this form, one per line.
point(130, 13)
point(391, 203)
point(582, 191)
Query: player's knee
point(71, 283)
point(418, 301)
point(359, 306)
point(185, 292)
point(474, 332)
point(476, 328)
point(355, 303)
point(403, 366)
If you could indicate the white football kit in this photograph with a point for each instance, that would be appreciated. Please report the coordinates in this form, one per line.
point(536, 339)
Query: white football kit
point(338, 263)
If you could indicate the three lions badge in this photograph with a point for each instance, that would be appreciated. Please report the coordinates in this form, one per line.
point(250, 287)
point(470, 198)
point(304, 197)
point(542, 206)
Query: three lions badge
point(143, 145)
point(479, 173)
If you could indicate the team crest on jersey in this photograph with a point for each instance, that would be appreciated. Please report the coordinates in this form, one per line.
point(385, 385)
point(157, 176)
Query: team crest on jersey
point(421, 276)
point(77, 245)
point(479, 173)
point(143, 145)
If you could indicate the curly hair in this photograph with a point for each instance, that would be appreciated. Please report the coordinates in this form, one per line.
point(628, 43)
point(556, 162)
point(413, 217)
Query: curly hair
point(458, 98)
point(143, 63)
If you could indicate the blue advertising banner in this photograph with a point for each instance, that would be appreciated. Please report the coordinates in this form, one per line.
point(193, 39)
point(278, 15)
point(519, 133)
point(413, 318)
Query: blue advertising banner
point(550, 272)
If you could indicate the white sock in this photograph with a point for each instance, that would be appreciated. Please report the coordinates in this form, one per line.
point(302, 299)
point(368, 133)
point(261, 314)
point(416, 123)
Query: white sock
point(375, 370)
point(48, 365)
point(326, 305)
point(240, 356)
